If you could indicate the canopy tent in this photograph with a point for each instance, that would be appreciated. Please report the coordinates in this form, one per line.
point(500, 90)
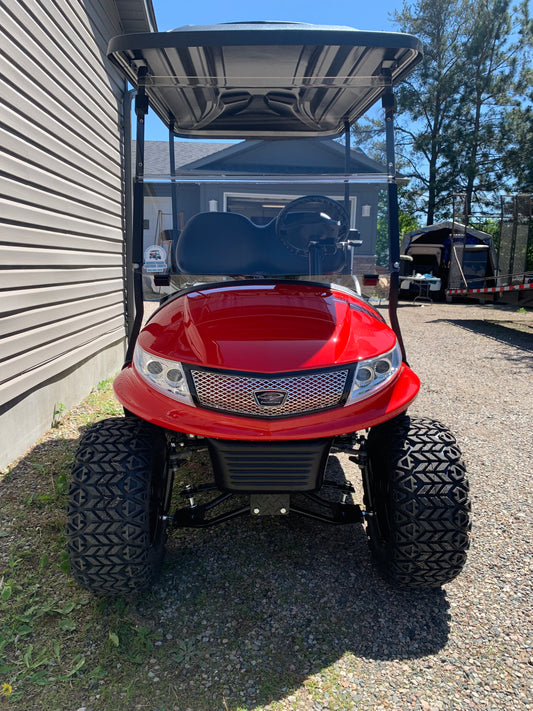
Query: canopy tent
point(458, 255)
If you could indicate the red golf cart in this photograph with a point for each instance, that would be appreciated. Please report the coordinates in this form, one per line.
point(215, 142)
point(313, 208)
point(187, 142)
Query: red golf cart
point(260, 352)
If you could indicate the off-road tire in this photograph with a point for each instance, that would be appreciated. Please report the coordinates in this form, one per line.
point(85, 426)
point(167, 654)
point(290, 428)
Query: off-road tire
point(417, 495)
point(118, 495)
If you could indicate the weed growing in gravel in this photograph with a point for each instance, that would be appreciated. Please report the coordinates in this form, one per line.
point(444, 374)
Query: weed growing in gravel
point(59, 411)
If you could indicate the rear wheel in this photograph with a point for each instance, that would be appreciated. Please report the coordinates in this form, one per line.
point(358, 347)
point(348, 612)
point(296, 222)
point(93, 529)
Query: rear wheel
point(417, 494)
point(118, 496)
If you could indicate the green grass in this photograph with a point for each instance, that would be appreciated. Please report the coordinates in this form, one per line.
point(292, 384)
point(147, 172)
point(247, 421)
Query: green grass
point(47, 620)
point(64, 648)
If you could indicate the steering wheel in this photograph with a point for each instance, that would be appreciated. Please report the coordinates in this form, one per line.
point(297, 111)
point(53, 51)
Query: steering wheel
point(312, 218)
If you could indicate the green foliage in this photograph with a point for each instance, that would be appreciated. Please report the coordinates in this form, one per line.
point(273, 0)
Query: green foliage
point(42, 619)
point(465, 121)
point(516, 135)
point(35, 632)
point(105, 386)
point(41, 630)
point(426, 102)
point(186, 651)
point(489, 83)
point(368, 134)
point(407, 221)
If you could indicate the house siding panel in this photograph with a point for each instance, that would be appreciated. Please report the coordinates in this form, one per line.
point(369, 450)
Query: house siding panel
point(59, 339)
point(61, 237)
point(41, 237)
point(65, 363)
point(63, 162)
point(56, 314)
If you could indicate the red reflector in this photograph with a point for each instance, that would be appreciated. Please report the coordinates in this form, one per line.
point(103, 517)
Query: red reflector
point(370, 280)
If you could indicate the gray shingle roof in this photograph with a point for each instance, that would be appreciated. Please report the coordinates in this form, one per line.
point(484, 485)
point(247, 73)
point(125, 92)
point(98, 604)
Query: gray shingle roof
point(156, 157)
point(193, 153)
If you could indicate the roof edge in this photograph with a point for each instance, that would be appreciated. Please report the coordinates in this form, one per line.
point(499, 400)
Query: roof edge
point(136, 15)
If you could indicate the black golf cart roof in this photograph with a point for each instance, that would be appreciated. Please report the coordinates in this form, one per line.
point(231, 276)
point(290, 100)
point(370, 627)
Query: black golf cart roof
point(263, 79)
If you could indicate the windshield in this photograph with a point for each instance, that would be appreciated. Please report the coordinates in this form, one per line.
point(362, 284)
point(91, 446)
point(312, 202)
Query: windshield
point(258, 210)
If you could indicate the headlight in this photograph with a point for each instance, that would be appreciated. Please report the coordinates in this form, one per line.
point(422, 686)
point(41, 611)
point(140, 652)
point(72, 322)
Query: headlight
point(162, 374)
point(371, 375)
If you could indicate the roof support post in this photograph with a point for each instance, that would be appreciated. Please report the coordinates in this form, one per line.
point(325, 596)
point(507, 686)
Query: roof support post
point(347, 161)
point(389, 106)
point(173, 185)
point(128, 214)
point(141, 109)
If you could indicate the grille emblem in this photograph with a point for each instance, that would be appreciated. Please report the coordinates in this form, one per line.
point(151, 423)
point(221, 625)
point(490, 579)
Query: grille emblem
point(270, 398)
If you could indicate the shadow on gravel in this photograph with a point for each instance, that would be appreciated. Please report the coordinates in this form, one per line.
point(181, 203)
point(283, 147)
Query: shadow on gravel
point(504, 332)
point(249, 611)
point(261, 605)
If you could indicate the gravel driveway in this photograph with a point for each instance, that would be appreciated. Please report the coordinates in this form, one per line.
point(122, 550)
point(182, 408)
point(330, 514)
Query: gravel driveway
point(290, 614)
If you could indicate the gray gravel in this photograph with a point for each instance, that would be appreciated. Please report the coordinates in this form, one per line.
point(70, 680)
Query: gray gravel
point(290, 614)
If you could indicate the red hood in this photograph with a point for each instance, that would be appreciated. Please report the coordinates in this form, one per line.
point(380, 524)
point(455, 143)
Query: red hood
point(266, 328)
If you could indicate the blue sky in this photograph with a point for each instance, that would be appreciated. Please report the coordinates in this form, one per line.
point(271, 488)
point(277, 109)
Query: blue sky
point(361, 14)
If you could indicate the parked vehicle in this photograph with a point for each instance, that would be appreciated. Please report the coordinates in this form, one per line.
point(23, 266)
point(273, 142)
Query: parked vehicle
point(447, 255)
point(260, 356)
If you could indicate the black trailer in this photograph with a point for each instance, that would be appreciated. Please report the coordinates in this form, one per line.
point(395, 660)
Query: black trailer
point(445, 256)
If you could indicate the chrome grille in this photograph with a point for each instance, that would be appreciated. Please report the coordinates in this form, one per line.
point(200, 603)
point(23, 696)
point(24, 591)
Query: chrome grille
point(235, 393)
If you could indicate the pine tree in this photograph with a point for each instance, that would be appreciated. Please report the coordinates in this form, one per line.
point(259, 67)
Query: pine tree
point(516, 129)
point(427, 101)
point(465, 115)
point(490, 63)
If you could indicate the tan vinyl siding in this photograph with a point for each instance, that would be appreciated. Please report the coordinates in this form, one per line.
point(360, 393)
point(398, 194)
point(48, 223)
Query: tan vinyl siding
point(61, 197)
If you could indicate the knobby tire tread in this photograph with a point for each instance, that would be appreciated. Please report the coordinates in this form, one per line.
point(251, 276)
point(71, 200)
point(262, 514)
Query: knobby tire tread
point(108, 515)
point(421, 534)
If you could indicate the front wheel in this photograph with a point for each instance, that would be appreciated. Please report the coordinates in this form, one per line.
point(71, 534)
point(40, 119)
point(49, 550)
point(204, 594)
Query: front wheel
point(416, 492)
point(118, 498)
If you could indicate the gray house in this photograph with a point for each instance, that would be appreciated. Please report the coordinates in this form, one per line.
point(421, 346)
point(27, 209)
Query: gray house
point(262, 202)
point(62, 322)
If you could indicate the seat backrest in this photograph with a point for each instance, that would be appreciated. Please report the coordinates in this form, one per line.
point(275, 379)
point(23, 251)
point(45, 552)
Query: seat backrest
point(226, 243)
point(218, 243)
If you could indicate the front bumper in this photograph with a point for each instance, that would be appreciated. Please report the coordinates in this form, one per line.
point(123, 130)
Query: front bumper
point(149, 404)
point(270, 467)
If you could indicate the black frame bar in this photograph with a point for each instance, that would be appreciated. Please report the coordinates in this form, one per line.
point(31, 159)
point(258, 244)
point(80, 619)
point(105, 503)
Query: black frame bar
point(141, 109)
point(347, 160)
point(173, 184)
point(389, 106)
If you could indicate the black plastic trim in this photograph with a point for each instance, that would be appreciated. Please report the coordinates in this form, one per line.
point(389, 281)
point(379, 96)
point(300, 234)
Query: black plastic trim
point(269, 467)
point(330, 286)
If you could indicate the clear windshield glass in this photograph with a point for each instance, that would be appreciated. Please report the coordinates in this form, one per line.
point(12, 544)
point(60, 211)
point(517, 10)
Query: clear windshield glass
point(259, 210)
